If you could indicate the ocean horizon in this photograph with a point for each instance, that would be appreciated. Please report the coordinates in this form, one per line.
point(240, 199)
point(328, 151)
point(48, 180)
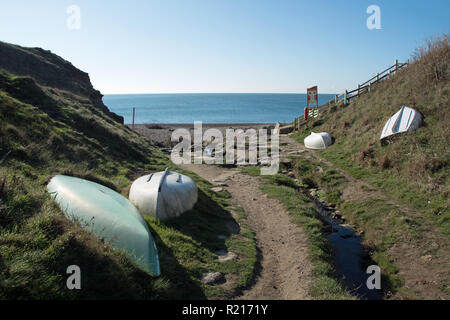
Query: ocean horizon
point(209, 107)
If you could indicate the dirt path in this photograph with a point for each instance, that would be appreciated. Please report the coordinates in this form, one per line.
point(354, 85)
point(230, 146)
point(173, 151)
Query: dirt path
point(423, 265)
point(285, 269)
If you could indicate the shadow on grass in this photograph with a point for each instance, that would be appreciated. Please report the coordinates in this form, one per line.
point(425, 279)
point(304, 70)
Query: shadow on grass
point(205, 222)
point(180, 285)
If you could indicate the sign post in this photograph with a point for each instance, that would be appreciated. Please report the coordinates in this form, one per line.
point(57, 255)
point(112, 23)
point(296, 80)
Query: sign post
point(312, 97)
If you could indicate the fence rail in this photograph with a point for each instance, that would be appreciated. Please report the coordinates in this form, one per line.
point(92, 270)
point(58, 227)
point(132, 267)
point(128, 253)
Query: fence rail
point(348, 95)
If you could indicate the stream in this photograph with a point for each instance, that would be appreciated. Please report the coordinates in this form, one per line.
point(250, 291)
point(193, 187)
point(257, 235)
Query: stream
point(350, 257)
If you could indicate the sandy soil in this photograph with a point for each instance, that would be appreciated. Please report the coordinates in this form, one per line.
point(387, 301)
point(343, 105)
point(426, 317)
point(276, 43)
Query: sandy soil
point(284, 268)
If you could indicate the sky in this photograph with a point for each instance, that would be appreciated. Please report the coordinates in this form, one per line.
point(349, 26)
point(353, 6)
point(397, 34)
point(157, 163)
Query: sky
point(225, 46)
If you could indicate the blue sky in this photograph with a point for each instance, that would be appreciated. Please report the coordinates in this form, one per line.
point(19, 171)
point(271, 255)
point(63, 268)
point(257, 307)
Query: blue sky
point(183, 46)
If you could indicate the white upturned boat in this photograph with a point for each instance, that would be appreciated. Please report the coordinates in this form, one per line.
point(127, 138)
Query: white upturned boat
point(164, 194)
point(318, 140)
point(406, 119)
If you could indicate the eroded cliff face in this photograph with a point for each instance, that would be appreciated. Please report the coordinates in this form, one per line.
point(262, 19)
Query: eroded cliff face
point(49, 70)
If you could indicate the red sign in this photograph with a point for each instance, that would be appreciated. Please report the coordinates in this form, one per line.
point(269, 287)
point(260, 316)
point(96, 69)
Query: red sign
point(312, 96)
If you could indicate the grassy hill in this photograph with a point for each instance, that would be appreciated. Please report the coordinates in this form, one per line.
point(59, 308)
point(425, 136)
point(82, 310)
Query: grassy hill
point(411, 171)
point(53, 122)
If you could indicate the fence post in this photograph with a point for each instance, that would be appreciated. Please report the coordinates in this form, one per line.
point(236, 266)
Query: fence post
point(335, 99)
point(345, 97)
point(359, 86)
point(369, 86)
point(134, 111)
point(378, 76)
point(396, 65)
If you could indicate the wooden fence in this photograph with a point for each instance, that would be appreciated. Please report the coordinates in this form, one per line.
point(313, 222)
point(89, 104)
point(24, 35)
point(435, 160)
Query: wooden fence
point(347, 96)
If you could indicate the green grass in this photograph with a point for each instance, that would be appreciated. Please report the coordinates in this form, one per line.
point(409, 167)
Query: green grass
point(326, 283)
point(59, 133)
point(412, 170)
point(383, 223)
point(414, 167)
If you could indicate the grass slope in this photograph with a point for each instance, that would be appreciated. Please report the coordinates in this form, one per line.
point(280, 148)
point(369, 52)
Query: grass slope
point(412, 170)
point(414, 167)
point(45, 131)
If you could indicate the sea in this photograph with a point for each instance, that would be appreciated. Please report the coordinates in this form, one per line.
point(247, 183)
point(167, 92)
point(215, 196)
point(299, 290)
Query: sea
point(209, 107)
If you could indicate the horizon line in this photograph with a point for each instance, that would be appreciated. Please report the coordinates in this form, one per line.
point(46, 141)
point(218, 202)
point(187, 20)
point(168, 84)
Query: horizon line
point(112, 94)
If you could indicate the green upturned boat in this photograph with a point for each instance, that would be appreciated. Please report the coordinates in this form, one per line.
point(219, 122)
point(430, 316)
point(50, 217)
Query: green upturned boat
point(108, 215)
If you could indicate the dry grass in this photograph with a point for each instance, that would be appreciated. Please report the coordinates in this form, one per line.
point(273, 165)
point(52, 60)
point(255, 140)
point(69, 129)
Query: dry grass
point(414, 167)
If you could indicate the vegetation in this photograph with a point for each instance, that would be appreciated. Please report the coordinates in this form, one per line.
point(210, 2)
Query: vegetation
point(47, 131)
point(406, 182)
point(326, 283)
point(414, 167)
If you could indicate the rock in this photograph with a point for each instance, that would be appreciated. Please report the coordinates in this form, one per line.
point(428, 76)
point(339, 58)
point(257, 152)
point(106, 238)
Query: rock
point(336, 215)
point(291, 174)
point(222, 237)
point(426, 258)
point(313, 192)
point(221, 184)
point(217, 189)
point(211, 278)
point(227, 257)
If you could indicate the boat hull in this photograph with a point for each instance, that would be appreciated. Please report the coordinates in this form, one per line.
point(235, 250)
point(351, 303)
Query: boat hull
point(109, 216)
point(164, 195)
point(404, 120)
point(317, 141)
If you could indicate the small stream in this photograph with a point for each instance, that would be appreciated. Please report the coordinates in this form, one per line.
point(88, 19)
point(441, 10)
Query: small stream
point(350, 257)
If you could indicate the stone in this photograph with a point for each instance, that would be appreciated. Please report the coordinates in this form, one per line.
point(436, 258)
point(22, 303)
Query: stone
point(222, 184)
point(211, 278)
point(228, 257)
point(217, 189)
point(426, 258)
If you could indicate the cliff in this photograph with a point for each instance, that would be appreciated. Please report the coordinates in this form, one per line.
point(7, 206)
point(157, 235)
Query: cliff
point(50, 70)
